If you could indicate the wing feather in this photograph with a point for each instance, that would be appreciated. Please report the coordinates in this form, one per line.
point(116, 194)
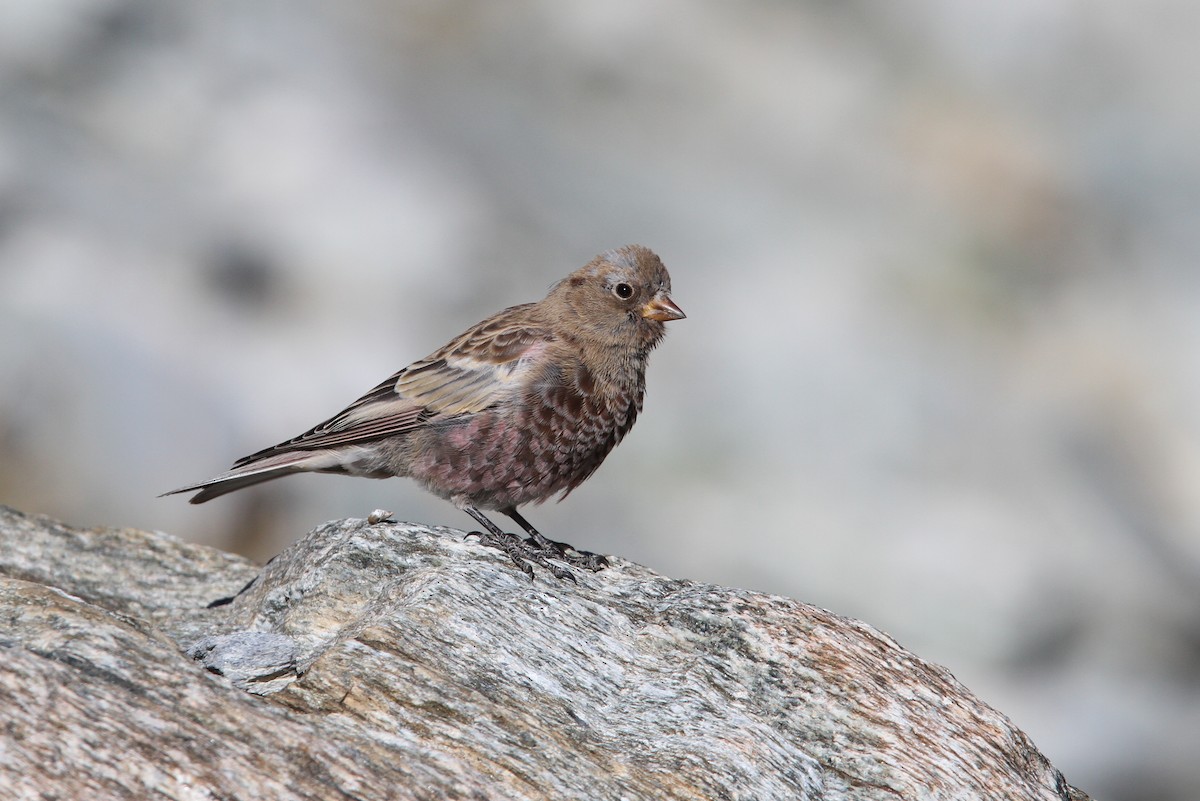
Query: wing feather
point(486, 365)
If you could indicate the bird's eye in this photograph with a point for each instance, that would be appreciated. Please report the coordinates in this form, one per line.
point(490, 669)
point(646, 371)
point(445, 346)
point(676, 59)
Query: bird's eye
point(623, 291)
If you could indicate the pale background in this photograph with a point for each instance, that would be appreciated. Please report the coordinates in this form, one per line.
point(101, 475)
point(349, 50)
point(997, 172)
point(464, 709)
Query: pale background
point(941, 369)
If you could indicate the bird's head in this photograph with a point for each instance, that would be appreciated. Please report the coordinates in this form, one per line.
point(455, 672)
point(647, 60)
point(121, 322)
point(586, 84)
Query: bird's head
point(622, 296)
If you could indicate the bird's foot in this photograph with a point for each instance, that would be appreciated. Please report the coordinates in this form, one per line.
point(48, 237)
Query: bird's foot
point(570, 554)
point(577, 558)
point(523, 552)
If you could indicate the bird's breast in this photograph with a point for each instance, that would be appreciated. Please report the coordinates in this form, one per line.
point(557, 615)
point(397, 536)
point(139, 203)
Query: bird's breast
point(545, 442)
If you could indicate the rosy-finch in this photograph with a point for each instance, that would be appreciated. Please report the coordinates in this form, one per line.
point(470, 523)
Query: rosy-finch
point(519, 407)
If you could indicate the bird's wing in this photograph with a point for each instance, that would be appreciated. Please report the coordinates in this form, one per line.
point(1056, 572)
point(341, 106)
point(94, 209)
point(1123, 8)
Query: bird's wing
point(484, 366)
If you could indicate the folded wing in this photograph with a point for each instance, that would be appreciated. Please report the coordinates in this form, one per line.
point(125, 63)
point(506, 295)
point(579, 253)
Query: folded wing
point(487, 365)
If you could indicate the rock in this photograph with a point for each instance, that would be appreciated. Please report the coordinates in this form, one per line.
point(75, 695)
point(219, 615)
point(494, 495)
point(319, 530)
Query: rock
point(397, 661)
point(256, 661)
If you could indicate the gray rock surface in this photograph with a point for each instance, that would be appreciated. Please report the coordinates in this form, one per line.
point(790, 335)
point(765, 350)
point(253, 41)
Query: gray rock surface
point(398, 661)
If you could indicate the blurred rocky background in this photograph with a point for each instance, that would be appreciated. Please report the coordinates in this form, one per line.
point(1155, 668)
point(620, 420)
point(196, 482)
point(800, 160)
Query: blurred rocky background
point(941, 262)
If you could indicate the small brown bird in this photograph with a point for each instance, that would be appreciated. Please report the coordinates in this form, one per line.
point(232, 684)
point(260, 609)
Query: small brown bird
point(521, 406)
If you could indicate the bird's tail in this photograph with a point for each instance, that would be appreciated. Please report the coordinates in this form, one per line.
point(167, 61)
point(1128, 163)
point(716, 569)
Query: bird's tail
point(277, 466)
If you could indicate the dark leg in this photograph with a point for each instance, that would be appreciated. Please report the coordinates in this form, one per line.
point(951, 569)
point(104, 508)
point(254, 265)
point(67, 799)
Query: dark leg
point(559, 550)
point(518, 549)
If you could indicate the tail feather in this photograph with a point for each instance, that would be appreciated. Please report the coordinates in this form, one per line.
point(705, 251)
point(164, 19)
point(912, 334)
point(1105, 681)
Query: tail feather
point(248, 475)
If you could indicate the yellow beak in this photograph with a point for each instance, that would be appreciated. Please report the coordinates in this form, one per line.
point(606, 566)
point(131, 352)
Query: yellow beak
point(662, 308)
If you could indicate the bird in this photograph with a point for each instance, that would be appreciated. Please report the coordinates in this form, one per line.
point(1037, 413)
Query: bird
point(520, 407)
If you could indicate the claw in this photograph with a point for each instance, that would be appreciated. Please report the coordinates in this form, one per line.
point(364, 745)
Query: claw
point(524, 554)
point(536, 550)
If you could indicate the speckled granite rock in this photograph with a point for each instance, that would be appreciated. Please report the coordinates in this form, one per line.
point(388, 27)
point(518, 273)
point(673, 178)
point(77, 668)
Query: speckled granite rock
point(398, 661)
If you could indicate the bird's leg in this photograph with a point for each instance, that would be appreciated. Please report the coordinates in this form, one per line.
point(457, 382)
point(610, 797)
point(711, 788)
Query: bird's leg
point(518, 549)
point(559, 550)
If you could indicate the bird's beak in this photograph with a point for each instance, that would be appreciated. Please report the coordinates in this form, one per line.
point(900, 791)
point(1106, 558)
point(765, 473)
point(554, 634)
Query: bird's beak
point(662, 308)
